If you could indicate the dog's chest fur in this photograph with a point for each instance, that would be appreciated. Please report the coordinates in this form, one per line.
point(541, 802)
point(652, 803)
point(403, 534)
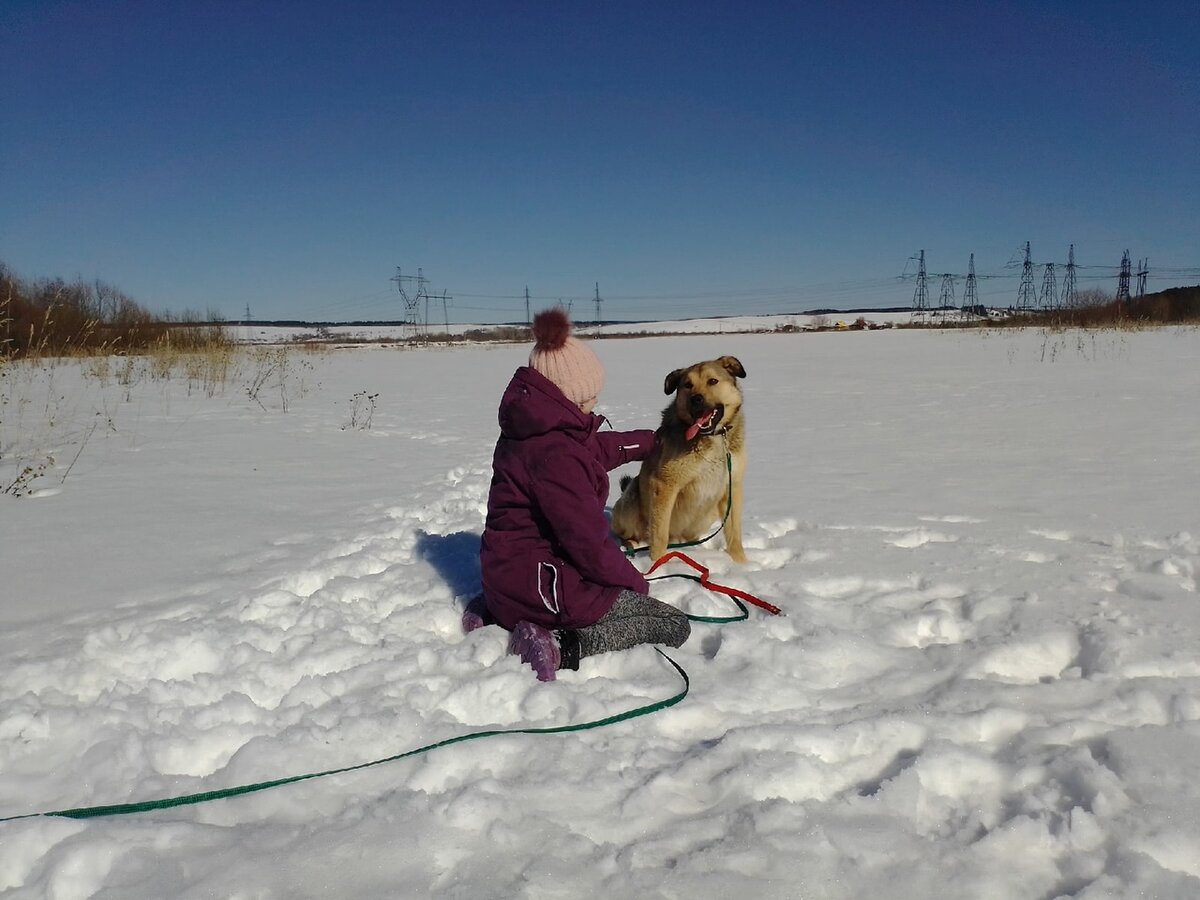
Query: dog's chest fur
point(708, 471)
point(702, 466)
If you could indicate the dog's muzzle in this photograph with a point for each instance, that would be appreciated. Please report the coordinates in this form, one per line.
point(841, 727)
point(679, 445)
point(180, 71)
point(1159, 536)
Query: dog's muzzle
point(705, 422)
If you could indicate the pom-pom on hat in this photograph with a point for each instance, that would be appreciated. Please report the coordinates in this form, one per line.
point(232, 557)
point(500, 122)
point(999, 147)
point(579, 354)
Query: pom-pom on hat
point(564, 359)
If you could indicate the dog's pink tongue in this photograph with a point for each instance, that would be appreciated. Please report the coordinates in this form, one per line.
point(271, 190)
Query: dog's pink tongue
point(694, 428)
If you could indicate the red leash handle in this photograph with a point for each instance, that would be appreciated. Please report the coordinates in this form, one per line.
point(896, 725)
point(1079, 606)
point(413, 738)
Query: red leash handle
point(712, 585)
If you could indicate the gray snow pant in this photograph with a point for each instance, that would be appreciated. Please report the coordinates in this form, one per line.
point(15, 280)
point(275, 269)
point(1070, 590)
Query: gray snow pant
point(634, 619)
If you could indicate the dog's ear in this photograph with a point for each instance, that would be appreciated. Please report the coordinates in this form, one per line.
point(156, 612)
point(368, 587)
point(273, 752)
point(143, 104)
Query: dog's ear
point(672, 382)
point(733, 366)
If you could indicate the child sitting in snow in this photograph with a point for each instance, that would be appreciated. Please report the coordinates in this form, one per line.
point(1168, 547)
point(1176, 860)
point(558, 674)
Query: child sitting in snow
point(551, 573)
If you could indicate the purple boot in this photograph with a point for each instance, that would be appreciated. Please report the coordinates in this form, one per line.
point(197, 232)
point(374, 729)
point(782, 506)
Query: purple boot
point(475, 615)
point(536, 646)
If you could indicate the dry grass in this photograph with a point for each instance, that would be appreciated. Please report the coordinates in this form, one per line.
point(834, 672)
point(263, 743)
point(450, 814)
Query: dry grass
point(54, 318)
point(51, 407)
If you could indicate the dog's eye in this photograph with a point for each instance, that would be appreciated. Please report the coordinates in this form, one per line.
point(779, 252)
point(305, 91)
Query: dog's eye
point(687, 385)
point(712, 382)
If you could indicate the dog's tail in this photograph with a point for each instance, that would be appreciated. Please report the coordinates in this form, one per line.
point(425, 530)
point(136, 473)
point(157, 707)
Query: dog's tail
point(625, 479)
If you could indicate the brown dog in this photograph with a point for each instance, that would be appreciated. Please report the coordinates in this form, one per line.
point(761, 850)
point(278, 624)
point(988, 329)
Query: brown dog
point(685, 485)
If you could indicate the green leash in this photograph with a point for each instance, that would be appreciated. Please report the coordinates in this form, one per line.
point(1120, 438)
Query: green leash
point(124, 809)
point(714, 620)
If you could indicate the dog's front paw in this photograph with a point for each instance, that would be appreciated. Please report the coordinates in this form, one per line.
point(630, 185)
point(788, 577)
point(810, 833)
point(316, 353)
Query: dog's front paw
point(737, 554)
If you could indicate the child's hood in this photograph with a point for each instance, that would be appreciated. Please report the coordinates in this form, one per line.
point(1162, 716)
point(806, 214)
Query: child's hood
point(533, 405)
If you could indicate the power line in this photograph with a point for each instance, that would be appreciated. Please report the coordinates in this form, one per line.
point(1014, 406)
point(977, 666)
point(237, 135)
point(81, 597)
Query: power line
point(763, 299)
point(780, 292)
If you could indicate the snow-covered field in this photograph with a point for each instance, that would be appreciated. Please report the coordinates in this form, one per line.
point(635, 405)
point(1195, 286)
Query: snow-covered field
point(986, 684)
point(251, 333)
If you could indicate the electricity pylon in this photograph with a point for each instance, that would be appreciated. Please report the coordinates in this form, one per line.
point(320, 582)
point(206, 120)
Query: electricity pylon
point(1049, 297)
point(1123, 279)
point(1067, 298)
point(412, 303)
point(971, 293)
point(1025, 297)
point(946, 298)
point(921, 296)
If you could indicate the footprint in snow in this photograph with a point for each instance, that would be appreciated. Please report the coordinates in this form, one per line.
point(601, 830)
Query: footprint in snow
point(930, 626)
point(920, 538)
point(766, 558)
point(1033, 556)
point(1039, 658)
point(1051, 535)
point(778, 528)
point(834, 588)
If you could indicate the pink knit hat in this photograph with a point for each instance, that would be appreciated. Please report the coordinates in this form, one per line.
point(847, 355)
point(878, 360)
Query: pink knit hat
point(564, 359)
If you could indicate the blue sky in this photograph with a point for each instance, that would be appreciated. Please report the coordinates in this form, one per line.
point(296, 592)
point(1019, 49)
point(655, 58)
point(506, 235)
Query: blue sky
point(689, 158)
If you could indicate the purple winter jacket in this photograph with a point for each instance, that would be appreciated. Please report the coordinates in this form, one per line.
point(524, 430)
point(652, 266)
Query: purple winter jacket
point(547, 556)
